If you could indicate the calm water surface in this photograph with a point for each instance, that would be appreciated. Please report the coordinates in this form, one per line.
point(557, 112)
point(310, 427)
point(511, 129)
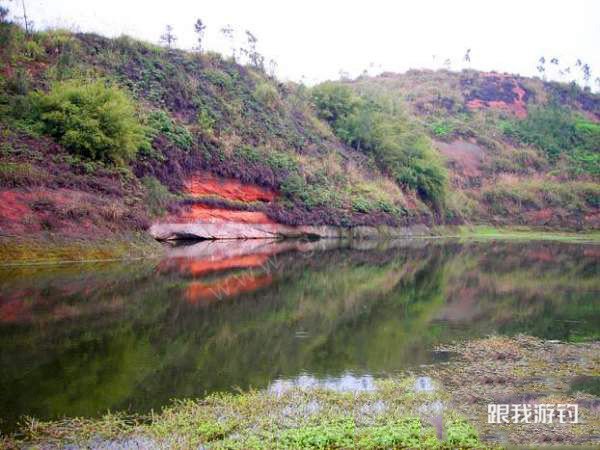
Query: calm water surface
point(213, 316)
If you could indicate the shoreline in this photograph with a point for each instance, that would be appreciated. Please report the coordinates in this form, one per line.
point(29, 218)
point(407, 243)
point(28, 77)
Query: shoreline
point(58, 249)
point(425, 407)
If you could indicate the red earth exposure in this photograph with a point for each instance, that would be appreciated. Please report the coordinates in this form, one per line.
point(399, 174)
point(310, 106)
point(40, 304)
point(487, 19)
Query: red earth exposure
point(495, 85)
point(205, 213)
point(204, 184)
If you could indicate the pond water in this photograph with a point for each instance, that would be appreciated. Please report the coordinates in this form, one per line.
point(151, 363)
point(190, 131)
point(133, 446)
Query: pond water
point(78, 340)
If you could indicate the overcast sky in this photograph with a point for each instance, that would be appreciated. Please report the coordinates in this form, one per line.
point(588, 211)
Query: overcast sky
point(315, 39)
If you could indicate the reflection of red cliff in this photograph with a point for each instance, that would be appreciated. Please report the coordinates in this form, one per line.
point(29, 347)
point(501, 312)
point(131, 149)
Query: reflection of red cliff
point(199, 292)
point(198, 267)
point(14, 310)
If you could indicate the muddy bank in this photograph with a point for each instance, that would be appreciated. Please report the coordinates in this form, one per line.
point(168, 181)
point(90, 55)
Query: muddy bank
point(524, 370)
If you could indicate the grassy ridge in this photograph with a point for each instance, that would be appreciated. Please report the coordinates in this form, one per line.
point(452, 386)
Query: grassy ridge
point(198, 111)
point(127, 121)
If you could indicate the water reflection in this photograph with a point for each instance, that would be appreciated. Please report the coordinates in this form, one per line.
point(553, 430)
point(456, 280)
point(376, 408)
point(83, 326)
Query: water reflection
point(347, 382)
point(424, 384)
point(79, 340)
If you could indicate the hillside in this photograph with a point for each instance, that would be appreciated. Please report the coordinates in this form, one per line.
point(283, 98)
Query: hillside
point(518, 150)
point(101, 136)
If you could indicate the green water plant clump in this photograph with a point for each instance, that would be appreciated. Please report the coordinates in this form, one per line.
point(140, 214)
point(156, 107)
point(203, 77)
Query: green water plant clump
point(297, 419)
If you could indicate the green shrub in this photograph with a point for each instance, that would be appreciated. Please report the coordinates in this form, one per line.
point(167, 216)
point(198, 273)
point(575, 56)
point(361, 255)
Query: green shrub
point(205, 121)
point(32, 50)
point(442, 129)
point(583, 161)
point(157, 195)
point(296, 188)
point(557, 132)
point(461, 434)
point(161, 122)
point(409, 433)
point(63, 43)
point(281, 161)
point(326, 435)
point(267, 94)
point(549, 128)
point(19, 83)
point(55, 41)
point(333, 101)
point(248, 154)
point(361, 204)
point(377, 127)
point(93, 120)
point(219, 78)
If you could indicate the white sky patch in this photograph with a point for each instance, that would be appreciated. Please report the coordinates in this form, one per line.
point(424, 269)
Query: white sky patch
point(314, 40)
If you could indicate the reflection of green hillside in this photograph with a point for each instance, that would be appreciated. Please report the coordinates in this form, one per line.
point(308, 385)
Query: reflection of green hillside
point(549, 290)
point(118, 337)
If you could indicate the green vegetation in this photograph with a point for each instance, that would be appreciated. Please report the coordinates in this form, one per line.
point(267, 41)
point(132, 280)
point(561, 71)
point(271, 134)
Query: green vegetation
point(348, 153)
point(576, 196)
point(58, 250)
point(522, 233)
point(378, 127)
point(267, 94)
point(158, 196)
point(21, 174)
point(558, 132)
point(161, 122)
point(442, 129)
point(319, 182)
point(90, 119)
point(258, 419)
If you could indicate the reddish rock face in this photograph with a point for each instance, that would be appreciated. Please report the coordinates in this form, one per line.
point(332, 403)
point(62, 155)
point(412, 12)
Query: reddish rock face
point(207, 214)
point(499, 92)
point(204, 184)
point(14, 206)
